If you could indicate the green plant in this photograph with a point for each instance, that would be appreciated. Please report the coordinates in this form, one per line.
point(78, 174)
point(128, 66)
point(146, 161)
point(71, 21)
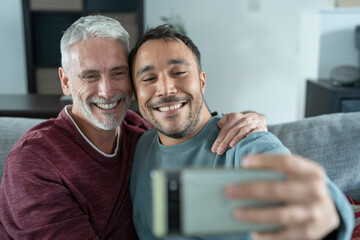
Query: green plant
point(174, 22)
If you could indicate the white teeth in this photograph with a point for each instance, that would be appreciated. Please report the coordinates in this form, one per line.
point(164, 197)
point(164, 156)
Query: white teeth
point(106, 106)
point(164, 109)
point(167, 108)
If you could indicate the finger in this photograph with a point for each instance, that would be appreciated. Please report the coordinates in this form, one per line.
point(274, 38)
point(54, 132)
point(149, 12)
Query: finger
point(304, 231)
point(293, 166)
point(229, 126)
point(234, 136)
point(221, 135)
point(288, 191)
point(236, 126)
point(287, 215)
point(242, 132)
point(252, 131)
point(283, 215)
point(257, 128)
point(237, 137)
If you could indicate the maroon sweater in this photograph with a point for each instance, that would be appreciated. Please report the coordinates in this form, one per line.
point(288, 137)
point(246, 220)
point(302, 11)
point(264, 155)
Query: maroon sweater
point(57, 186)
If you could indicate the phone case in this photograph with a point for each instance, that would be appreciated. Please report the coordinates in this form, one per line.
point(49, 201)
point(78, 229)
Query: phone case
point(204, 209)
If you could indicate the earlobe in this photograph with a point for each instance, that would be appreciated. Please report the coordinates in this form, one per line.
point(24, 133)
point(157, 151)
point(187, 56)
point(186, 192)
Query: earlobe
point(64, 82)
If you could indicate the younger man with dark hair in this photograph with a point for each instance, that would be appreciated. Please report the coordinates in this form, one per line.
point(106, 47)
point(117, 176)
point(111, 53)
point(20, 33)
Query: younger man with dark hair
point(169, 86)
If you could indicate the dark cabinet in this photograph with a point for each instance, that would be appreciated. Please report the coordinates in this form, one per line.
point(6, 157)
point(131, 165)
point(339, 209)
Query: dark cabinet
point(323, 98)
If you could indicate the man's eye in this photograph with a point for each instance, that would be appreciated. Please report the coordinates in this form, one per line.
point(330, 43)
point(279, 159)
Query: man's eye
point(179, 73)
point(118, 75)
point(89, 77)
point(149, 79)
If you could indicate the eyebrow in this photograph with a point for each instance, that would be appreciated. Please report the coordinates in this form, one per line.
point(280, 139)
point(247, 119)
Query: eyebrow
point(93, 71)
point(145, 69)
point(178, 61)
point(170, 62)
point(121, 67)
point(86, 72)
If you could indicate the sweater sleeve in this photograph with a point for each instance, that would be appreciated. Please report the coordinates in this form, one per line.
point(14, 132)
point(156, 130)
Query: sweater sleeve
point(27, 192)
point(345, 211)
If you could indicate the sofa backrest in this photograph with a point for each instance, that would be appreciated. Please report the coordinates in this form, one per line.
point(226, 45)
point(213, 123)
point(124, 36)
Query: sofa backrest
point(11, 130)
point(332, 140)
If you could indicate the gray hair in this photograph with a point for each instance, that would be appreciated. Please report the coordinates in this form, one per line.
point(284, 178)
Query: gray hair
point(96, 26)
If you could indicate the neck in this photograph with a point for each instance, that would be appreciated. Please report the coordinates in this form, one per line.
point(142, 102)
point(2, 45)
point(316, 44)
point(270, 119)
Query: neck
point(205, 116)
point(104, 140)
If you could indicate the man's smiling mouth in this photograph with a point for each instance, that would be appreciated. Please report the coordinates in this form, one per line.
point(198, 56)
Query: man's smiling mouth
point(170, 108)
point(106, 105)
point(169, 103)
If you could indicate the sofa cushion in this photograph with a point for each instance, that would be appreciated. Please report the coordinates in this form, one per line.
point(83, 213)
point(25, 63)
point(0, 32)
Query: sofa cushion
point(12, 129)
point(332, 140)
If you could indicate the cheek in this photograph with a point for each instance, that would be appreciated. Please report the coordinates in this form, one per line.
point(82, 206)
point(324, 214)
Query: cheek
point(125, 86)
point(85, 88)
point(193, 85)
point(144, 94)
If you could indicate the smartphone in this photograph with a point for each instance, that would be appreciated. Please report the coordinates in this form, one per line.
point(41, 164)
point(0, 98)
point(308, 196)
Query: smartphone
point(191, 201)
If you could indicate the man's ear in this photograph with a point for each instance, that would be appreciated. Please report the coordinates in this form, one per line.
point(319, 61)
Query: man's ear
point(65, 85)
point(203, 81)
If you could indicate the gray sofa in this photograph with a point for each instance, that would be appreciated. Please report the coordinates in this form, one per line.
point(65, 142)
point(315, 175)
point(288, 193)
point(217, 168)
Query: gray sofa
point(332, 140)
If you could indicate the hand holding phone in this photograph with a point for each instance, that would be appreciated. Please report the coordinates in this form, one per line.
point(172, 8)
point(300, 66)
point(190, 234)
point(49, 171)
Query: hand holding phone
point(192, 202)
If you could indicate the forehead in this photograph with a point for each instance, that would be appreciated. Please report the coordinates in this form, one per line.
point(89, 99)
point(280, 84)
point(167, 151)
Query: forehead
point(158, 51)
point(98, 51)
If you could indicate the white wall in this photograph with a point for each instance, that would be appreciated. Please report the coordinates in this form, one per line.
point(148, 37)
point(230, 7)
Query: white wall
point(249, 50)
point(12, 48)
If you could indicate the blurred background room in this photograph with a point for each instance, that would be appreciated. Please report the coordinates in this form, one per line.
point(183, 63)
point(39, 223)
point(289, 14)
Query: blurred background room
point(257, 54)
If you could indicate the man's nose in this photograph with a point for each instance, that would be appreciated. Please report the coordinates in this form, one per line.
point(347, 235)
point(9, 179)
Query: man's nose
point(166, 86)
point(106, 88)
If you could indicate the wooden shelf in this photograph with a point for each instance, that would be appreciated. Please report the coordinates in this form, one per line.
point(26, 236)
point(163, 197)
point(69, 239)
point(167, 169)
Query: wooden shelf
point(31, 105)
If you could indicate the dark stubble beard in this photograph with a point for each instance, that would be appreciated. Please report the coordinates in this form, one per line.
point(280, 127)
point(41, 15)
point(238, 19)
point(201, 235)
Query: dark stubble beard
point(191, 121)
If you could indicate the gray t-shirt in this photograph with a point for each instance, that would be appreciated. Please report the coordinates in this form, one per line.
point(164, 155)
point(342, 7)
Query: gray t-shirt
point(151, 154)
